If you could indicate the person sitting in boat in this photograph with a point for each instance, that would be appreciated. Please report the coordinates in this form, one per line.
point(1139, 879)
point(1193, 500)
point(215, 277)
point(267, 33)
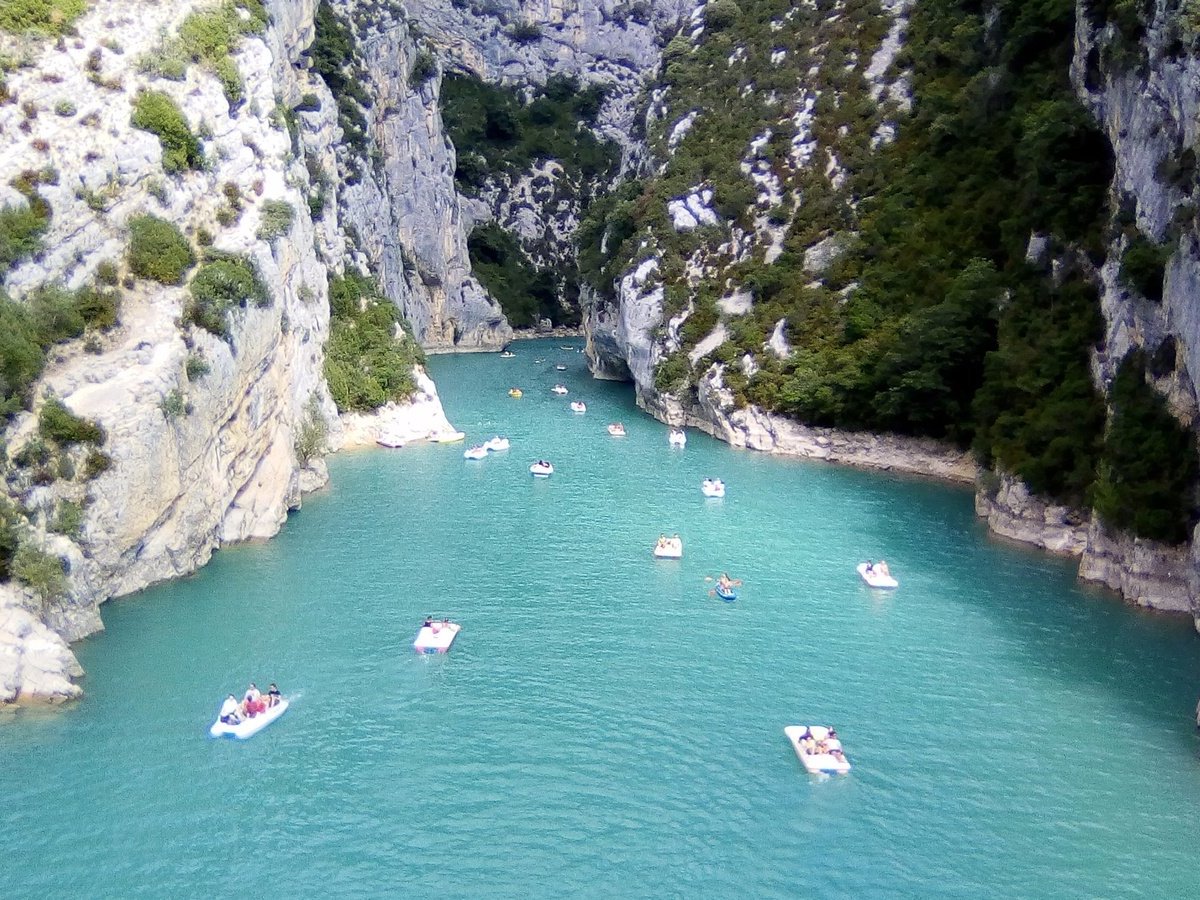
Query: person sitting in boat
point(251, 702)
point(230, 712)
point(870, 567)
point(428, 623)
point(273, 695)
point(883, 568)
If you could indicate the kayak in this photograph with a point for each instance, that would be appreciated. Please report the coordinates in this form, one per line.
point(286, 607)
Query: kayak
point(251, 725)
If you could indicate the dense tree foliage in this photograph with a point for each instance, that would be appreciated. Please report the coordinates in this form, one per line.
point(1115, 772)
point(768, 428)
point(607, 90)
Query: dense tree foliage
point(366, 363)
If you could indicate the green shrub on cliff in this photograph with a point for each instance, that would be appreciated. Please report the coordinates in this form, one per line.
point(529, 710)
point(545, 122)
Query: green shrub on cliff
point(50, 17)
point(495, 131)
point(157, 113)
point(1144, 265)
point(366, 364)
point(225, 282)
point(1149, 467)
point(21, 230)
point(58, 424)
point(525, 292)
point(158, 250)
point(44, 573)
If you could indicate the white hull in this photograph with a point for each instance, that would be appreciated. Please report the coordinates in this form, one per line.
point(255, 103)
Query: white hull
point(677, 439)
point(672, 548)
point(497, 444)
point(817, 763)
point(250, 726)
point(475, 453)
point(876, 579)
point(446, 437)
point(436, 638)
point(578, 407)
point(541, 471)
point(616, 431)
point(713, 489)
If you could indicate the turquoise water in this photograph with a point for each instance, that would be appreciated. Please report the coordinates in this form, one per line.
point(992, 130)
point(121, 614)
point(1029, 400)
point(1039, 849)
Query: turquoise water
point(603, 726)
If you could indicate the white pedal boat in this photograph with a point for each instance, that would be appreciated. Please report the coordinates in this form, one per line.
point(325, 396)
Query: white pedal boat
point(436, 637)
point(669, 548)
point(560, 389)
point(479, 452)
point(817, 762)
point(713, 487)
point(445, 437)
point(250, 725)
point(507, 354)
point(496, 444)
point(560, 367)
point(677, 438)
point(390, 441)
point(541, 470)
point(616, 429)
point(578, 406)
point(875, 578)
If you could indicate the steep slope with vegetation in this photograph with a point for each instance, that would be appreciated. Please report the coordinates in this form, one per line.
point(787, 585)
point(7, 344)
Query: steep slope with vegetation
point(911, 236)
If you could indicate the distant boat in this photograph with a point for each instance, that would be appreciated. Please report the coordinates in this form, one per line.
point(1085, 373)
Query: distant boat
point(515, 393)
point(507, 354)
point(578, 406)
point(436, 637)
point(541, 469)
point(390, 441)
point(445, 437)
point(669, 548)
point(876, 577)
point(561, 367)
point(713, 487)
point(728, 594)
point(818, 748)
point(677, 438)
point(569, 349)
point(616, 429)
point(559, 389)
point(479, 452)
point(496, 444)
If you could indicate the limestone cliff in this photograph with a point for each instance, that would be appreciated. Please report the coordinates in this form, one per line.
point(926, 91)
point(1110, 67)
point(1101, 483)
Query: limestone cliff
point(202, 433)
point(681, 308)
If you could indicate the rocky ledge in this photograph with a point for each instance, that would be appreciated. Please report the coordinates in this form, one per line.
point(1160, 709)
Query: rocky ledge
point(716, 413)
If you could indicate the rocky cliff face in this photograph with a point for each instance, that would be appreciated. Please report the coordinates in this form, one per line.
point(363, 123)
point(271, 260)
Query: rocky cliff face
point(1148, 103)
point(403, 209)
point(202, 432)
point(1143, 93)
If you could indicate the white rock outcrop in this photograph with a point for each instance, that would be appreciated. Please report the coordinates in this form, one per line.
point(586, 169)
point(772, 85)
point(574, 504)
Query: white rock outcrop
point(201, 431)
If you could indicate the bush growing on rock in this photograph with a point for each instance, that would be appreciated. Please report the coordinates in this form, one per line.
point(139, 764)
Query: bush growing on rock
point(1143, 267)
point(49, 17)
point(157, 113)
point(1149, 467)
point(96, 463)
point(21, 230)
point(58, 424)
point(11, 521)
point(366, 363)
point(424, 68)
point(224, 282)
point(158, 250)
point(44, 573)
point(275, 219)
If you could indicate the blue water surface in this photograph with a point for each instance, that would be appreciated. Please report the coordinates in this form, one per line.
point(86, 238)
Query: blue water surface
point(604, 726)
